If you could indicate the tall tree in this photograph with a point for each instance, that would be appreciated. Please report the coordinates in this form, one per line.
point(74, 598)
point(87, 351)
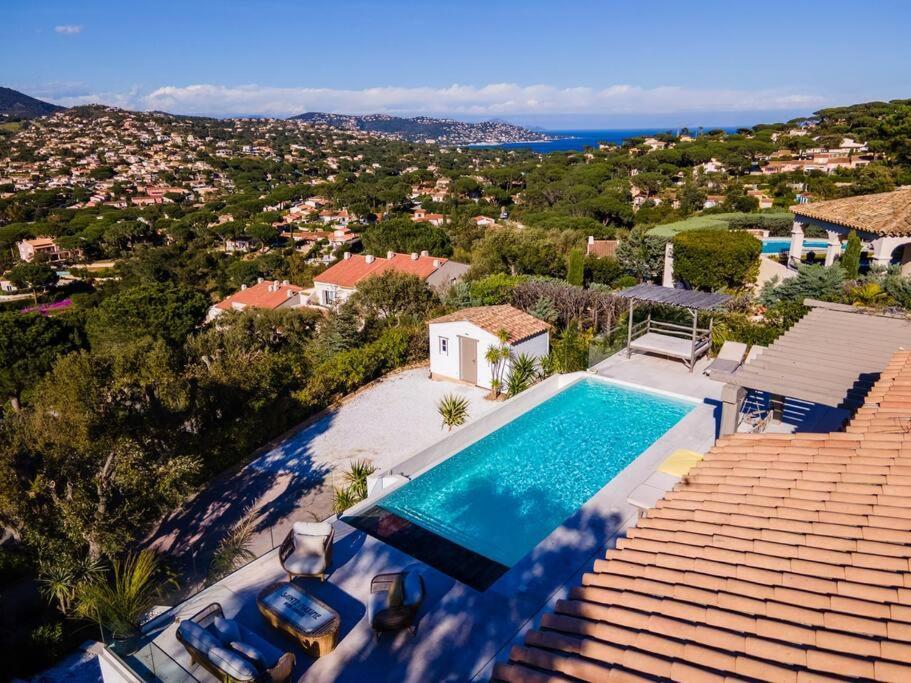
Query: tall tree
point(850, 258)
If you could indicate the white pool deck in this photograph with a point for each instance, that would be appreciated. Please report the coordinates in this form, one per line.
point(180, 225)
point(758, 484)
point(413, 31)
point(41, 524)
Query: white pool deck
point(461, 632)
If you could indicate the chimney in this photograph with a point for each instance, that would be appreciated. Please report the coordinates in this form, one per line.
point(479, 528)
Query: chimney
point(591, 239)
point(347, 255)
point(390, 254)
point(243, 287)
point(425, 253)
point(275, 285)
point(285, 282)
point(436, 263)
point(290, 293)
point(259, 280)
point(414, 256)
point(369, 258)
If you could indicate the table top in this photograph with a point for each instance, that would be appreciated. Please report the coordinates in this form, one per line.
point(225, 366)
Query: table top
point(296, 607)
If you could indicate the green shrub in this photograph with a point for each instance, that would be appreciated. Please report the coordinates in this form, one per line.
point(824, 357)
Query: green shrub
point(811, 282)
point(575, 268)
point(493, 289)
point(850, 259)
point(605, 270)
point(348, 370)
point(713, 260)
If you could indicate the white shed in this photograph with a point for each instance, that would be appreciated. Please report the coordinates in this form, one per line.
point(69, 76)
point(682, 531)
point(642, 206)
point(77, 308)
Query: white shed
point(459, 341)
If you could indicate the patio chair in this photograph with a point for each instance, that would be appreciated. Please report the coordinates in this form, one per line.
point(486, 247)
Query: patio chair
point(307, 550)
point(395, 600)
point(729, 358)
point(230, 651)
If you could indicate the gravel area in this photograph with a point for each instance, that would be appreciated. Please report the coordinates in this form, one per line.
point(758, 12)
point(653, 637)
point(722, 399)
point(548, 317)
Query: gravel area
point(387, 423)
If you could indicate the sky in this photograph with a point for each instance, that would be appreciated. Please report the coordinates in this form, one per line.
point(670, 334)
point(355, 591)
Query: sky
point(557, 64)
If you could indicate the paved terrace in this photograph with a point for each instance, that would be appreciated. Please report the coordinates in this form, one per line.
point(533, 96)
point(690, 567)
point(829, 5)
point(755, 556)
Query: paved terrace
point(461, 632)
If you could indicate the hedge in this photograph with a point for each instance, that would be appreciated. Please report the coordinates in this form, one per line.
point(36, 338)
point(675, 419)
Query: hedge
point(713, 260)
point(346, 371)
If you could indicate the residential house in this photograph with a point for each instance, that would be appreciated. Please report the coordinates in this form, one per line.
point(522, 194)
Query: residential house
point(265, 294)
point(460, 341)
point(423, 216)
point(338, 217)
point(483, 221)
point(238, 245)
point(601, 248)
point(45, 247)
point(765, 202)
point(338, 282)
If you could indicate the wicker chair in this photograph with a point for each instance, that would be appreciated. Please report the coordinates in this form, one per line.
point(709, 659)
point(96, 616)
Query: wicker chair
point(307, 550)
point(260, 661)
point(395, 600)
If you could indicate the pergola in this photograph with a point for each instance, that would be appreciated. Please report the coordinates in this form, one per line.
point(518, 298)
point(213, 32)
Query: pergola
point(830, 357)
point(687, 343)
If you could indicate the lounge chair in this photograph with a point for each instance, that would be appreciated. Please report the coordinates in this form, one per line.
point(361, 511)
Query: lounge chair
point(231, 652)
point(729, 358)
point(307, 550)
point(395, 599)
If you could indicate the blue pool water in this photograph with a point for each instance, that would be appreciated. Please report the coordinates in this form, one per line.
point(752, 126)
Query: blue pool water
point(505, 493)
point(774, 246)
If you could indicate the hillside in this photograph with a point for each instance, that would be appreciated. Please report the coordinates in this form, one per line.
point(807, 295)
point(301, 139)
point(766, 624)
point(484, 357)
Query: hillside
point(426, 129)
point(17, 105)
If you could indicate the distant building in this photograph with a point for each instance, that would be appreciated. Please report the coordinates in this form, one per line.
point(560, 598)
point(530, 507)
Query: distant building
point(483, 221)
point(601, 248)
point(45, 247)
point(337, 283)
point(265, 294)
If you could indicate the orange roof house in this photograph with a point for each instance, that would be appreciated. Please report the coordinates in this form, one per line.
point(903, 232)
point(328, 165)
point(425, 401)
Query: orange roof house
point(265, 294)
point(779, 557)
point(340, 280)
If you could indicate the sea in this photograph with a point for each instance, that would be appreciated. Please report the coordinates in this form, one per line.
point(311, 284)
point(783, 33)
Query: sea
point(576, 140)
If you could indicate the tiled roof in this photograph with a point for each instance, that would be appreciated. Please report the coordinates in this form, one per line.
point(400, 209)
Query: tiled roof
point(780, 557)
point(348, 272)
point(602, 248)
point(266, 294)
point(884, 213)
point(517, 324)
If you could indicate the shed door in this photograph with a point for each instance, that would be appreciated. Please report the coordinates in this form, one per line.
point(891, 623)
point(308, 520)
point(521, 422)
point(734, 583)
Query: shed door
point(468, 360)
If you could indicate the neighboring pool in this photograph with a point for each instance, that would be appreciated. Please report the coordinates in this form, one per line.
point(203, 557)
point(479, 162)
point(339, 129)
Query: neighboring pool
point(774, 246)
point(502, 495)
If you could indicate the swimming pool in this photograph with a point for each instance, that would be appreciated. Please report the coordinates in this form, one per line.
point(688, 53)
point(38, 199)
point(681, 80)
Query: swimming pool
point(775, 246)
point(503, 494)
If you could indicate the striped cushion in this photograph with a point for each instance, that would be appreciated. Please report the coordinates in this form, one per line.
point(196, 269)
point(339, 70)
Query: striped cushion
point(197, 637)
point(232, 664)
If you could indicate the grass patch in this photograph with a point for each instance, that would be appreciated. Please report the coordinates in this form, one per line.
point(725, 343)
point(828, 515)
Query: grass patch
point(713, 221)
point(11, 126)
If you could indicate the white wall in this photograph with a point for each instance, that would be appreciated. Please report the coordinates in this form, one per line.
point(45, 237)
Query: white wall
point(341, 294)
point(448, 364)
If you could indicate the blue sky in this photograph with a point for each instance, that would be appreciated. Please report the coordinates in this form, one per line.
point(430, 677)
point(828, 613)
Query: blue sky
point(569, 64)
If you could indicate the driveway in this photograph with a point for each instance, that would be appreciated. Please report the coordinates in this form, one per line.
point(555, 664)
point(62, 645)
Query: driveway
point(293, 478)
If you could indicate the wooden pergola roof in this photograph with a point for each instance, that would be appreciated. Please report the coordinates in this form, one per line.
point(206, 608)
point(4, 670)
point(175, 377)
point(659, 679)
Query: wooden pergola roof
point(691, 299)
point(832, 356)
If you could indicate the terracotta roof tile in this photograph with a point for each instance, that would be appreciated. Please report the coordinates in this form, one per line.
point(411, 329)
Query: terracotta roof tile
point(517, 324)
point(884, 213)
point(781, 557)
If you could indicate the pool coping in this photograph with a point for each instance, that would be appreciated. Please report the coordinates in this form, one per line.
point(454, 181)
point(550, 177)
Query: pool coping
point(609, 502)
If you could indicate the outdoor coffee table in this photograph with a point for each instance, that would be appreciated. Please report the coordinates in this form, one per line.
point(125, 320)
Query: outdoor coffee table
point(289, 608)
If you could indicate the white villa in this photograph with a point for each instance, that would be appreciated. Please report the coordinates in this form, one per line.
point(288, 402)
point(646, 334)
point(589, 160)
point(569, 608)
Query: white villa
point(459, 341)
point(336, 284)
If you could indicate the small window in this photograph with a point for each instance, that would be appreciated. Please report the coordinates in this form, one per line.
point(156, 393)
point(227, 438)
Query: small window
point(444, 346)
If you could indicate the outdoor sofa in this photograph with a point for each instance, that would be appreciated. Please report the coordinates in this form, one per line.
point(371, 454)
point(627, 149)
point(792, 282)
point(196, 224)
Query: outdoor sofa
point(231, 652)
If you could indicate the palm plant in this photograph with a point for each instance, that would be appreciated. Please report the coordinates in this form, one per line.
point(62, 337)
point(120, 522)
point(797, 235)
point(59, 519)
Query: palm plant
point(343, 499)
point(496, 357)
point(356, 477)
point(453, 409)
point(233, 550)
point(60, 580)
point(521, 374)
point(119, 601)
